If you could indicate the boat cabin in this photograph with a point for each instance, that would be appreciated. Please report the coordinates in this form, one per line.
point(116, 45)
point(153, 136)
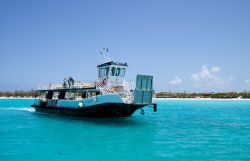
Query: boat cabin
point(112, 74)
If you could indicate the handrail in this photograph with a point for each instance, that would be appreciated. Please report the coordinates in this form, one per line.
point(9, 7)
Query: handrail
point(105, 89)
point(129, 84)
point(77, 85)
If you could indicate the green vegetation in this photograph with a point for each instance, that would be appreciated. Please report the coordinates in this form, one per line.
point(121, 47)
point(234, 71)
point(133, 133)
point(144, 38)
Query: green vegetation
point(21, 93)
point(228, 95)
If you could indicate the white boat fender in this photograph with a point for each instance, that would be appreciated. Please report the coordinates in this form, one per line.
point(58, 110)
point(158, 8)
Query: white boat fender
point(81, 104)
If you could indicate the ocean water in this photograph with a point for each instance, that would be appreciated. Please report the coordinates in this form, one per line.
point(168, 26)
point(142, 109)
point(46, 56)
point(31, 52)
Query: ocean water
point(192, 130)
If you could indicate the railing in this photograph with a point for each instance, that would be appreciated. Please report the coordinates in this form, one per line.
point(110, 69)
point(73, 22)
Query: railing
point(129, 84)
point(105, 89)
point(80, 84)
point(77, 85)
point(126, 92)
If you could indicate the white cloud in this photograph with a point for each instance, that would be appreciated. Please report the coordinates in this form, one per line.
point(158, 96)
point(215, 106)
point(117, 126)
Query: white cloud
point(215, 69)
point(176, 81)
point(204, 73)
point(207, 77)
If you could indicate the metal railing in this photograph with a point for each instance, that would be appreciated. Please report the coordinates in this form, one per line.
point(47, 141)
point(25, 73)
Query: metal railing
point(105, 89)
point(126, 94)
point(129, 84)
point(77, 85)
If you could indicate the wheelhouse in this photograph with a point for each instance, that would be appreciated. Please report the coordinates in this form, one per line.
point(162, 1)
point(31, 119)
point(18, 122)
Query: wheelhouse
point(112, 73)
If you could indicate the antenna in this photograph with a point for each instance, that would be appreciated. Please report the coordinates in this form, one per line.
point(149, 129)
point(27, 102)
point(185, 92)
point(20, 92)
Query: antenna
point(104, 54)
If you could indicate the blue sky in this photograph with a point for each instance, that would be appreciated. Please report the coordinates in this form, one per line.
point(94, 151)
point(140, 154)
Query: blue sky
point(187, 45)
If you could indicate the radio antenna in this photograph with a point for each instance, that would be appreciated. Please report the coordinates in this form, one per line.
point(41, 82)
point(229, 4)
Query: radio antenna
point(104, 55)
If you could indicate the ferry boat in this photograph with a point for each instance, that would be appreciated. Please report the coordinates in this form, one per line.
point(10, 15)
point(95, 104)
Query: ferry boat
point(111, 95)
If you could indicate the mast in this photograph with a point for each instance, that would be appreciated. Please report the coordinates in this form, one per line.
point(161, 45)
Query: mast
point(104, 56)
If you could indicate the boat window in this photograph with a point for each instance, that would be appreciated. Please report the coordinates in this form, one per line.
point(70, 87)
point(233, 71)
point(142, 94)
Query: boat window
point(49, 95)
point(118, 70)
point(61, 95)
point(102, 72)
point(106, 71)
point(55, 95)
point(89, 94)
point(93, 94)
point(43, 95)
point(83, 95)
point(122, 72)
point(113, 71)
point(70, 95)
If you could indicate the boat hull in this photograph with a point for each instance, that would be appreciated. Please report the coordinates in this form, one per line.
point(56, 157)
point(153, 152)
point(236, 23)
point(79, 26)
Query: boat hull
point(101, 110)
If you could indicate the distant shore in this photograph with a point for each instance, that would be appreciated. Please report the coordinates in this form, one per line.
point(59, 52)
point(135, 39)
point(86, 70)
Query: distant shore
point(206, 95)
point(164, 95)
point(17, 98)
point(205, 99)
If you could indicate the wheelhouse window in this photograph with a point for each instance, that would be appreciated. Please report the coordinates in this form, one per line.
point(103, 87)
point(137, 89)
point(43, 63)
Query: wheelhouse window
point(103, 71)
point(118, 70)
point(106, 71)
point(122, 73)
point(100, 72)
point(113, 71)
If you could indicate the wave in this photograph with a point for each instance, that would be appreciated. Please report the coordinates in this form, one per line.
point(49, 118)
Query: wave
point(29, 109)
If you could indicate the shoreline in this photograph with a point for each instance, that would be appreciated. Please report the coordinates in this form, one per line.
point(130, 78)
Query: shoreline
point(204, 99)
point(199, 99)
point(16, 98)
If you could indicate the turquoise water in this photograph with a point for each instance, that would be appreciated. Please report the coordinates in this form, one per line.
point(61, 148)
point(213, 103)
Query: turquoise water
point(180, 130)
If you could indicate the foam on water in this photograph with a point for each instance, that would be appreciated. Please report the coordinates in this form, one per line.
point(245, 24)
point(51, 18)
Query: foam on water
point(29, 109)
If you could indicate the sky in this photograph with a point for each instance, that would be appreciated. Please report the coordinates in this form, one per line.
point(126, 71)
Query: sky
point(187, 45)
